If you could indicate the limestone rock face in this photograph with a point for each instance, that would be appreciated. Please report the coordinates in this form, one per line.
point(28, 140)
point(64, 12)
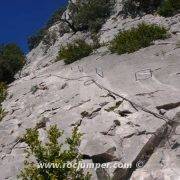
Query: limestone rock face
point(48, 92)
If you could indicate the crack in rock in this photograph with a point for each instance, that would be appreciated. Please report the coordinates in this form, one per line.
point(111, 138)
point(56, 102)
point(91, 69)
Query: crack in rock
point(138, 133)
point(109, 95)
point(124, 113)
point(42, 123)
point(149, 94)
point(112, 108)
point(90, 115)
point(133, 124)
point(80, 104)
point(111, 130)
point(63, 86)
point(168, 106)
point(105, 157)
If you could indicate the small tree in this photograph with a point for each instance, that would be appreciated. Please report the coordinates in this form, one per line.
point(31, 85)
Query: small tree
point(169, 8)
point(11, 61)
point(137, 7)
point(52, 152)
point(90, 14)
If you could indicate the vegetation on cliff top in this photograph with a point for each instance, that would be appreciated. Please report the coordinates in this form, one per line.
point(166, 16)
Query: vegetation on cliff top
point(169, 8)
point(83, 16)
point(90, 15)
point(74, 51)
point(141, 7)
point(132, 40)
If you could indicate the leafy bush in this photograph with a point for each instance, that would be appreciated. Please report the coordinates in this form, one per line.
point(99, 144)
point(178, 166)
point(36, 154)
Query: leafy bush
point(169, 8)
point(136, 38)
point(90, 15)
point(75, 51)
point(137, 7)
point(3, 92)
point(11, 61)
point(52, 152)
point(2, 113)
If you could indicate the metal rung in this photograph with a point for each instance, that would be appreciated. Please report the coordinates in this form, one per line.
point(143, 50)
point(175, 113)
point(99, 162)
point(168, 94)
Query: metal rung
point(100, 72)
point(143, 74)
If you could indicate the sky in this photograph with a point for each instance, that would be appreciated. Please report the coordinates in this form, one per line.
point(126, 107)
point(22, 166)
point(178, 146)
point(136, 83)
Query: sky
point(21, 18)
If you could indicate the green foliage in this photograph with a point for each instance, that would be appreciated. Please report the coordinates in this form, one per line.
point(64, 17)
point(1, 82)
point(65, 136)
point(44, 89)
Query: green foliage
point(90, 15)
point(138, 7)
point(52, 152)
point(3, 91)
point(132, 40)
point(75, 51)
point(169, 8)
point(3, 94)
point(2, 113)
point(11, 61)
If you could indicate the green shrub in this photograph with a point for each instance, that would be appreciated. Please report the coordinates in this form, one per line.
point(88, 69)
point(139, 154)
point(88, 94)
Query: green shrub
point(132, 40)
point(169, 8)
point(90, 15)
point(75, 51)
point(3, 92)
point(11, 61)
point(138, 7)
point(2, 113)
point(52, 152)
